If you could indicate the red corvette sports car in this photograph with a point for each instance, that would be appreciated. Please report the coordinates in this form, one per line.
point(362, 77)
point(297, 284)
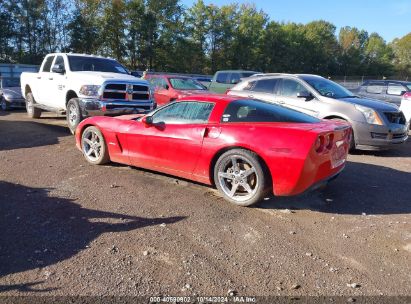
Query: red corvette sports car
point(247, 148)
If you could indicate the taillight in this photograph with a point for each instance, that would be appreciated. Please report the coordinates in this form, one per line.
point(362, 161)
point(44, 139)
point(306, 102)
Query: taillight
point(324, 142)
point(319, 144)
point(407, 95)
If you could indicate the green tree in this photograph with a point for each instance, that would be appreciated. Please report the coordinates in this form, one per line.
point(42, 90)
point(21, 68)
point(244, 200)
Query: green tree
point(402, 52)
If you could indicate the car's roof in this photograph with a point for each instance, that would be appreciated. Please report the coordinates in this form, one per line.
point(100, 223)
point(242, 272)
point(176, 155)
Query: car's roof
point(217, 98)
point(270, 75)
point(237, 71)
point(168, 76)
point(387, 80)
point(78, 54)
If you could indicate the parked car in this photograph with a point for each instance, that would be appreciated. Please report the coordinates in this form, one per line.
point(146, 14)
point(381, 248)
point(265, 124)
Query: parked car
point(376, 124)
point(224, 80)
point(406, 107)
point(385, 90)
point(10, 94)
point(246, 148)
point(168, 88)
point(84, 85)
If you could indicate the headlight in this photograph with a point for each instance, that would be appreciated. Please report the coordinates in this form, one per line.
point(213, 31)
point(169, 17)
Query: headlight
point(370, 115)
point(89, 90)
point(7, 96)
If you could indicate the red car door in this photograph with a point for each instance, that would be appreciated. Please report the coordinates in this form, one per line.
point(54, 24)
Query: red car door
point(172, 143)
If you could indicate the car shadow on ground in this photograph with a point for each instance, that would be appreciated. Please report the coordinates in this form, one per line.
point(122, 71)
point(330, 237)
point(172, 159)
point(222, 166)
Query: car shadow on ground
point(27, 134)
point(360, 188)
point(38, 230)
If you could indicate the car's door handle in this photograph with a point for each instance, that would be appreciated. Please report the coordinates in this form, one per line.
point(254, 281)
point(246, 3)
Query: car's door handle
point(281, 102)
point(38, 77)
point(250, 96)
point(51, 78)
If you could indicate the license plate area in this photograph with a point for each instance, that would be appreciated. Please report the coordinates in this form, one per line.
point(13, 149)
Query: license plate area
point(338, 157)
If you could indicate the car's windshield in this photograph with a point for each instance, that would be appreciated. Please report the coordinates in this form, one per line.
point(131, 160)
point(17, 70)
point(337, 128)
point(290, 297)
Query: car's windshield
point(86, 63)
point(10, 82)
point(328, 88)
point(186, 84)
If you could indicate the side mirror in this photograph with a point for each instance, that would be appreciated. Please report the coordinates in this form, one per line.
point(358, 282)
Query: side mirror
point(305, 94)
point(57, 68)
point(166, 87)
point(147, 121)
point(403, 92)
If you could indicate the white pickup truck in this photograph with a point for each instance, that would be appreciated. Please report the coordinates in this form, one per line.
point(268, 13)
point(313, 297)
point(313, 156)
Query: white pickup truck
point(84, 85)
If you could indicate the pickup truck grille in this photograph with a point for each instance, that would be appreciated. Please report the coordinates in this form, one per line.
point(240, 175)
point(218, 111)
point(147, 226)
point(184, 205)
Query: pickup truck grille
point(395, 117)
point(125, 92)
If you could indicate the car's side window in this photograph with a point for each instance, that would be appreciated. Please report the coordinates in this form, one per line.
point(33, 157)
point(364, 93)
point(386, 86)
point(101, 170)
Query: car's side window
point(222, 77)
point(189, 112)
point(234, 78)
point(265, 86)
point(291, 88)
point(375, 88)
point(60, 62)
point(47, 64)
point(395, 89)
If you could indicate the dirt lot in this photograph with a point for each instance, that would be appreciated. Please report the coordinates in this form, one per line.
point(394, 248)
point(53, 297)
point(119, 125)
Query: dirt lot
point(69, 228)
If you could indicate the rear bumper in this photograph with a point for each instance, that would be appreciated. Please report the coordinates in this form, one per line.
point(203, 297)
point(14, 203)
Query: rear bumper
point(374, 137)
point(96, 107)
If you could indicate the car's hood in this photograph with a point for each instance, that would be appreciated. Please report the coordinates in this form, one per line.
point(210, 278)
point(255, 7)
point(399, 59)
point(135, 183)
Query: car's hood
point(98, 78)
point(371, 103)
point(14, 92)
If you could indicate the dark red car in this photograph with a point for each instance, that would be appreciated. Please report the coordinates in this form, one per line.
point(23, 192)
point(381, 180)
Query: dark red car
point(168, 88)
point(247, 148)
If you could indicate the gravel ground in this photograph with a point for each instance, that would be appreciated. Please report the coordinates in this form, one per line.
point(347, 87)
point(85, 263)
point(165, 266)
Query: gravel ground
point(70, 228)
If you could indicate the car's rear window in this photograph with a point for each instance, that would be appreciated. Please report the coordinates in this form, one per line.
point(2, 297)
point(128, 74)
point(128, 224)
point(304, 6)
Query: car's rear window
point(245, 110)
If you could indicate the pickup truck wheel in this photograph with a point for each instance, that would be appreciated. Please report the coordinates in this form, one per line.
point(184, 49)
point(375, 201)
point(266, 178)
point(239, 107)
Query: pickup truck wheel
point(94, 146)
point(32, 111)
point(73, 114)
point(3, 104)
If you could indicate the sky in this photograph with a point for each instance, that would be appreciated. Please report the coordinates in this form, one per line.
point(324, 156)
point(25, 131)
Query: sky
point(389, 18)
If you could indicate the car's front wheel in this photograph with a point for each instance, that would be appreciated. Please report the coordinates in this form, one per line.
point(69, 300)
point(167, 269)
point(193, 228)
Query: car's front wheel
point(3, 104)
point(73, 114)
point(241, 177)
point(94, 146)
point(32, 111)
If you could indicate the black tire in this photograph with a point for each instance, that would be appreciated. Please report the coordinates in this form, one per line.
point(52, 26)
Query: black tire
point(73, 114)
point(4, 105)
point(96, 158)
point(259, 181)
point(32, 111)
point(352, 142)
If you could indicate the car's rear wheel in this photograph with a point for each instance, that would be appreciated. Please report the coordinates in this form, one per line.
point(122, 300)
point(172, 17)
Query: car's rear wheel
point(32, 111)
point(73, 114)
point(94, 146)
point(241, 177)
point(3, 104)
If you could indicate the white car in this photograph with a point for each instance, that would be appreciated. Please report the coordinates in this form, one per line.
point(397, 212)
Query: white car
point(406, 106)
point(84, 85)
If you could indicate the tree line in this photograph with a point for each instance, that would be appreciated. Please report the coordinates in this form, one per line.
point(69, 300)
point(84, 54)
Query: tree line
point(164, 35)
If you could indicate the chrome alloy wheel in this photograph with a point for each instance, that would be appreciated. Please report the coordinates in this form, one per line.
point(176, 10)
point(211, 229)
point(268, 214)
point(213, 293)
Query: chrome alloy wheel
point(72, 114)
point(238, 178)
point(91, 145)
point(3, 104)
